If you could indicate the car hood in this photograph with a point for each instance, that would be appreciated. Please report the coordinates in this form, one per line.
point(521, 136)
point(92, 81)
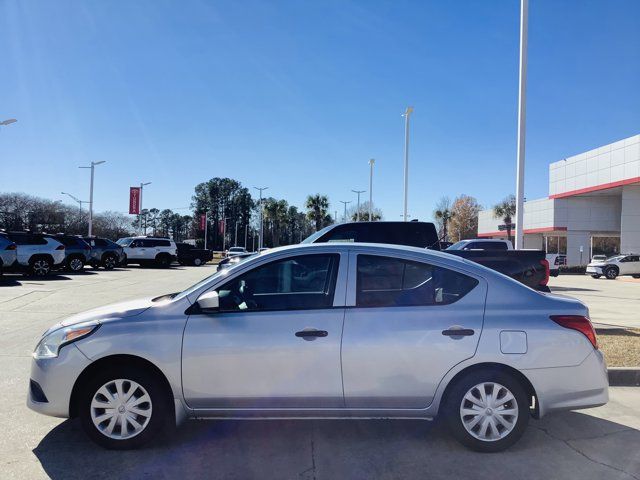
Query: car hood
point(116, 310)
point(598, 264)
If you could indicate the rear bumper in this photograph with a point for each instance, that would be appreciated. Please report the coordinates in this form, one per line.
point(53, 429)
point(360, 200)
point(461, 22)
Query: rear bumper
point(571, 388)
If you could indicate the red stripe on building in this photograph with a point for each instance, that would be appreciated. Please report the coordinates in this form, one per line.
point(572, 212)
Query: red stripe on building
point(596, 188)
point(503, 233)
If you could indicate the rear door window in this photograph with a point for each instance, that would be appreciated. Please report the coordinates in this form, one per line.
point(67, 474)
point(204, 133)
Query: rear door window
point(386, 282)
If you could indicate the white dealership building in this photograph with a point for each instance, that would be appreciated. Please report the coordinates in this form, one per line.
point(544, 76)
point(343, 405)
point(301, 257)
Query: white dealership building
point(593, 206)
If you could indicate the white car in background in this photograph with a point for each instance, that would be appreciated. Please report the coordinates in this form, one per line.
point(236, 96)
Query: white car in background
point(159, 251)
point(36, 253)
point(233, 251)
point(615, 266)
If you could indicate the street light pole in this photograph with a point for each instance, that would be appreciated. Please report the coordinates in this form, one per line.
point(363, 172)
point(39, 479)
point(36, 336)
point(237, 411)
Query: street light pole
point(406, 116)
point(80, 202)
point(260, 189)
point(522, 113)
point(358, 192)
point(372, 162)
point(344, 219)
point(140, 214)
point(92, 167)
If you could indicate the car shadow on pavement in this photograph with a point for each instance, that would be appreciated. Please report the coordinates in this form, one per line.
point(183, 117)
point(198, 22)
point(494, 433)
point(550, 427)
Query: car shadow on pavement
point(566, 445)
point(571, 289)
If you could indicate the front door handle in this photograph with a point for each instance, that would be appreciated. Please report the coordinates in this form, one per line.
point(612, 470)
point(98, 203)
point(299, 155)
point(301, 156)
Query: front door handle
point(311, 333)
point(458, 332)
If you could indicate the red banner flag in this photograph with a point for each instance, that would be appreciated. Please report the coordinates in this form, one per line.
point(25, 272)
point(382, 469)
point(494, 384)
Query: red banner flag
point(134, 200)
point(221, 227)
point(203, 221)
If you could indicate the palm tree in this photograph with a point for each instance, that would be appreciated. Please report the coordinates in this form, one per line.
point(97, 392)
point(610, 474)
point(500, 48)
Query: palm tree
point(505, 210)
point(444, 215)
point(317, 206)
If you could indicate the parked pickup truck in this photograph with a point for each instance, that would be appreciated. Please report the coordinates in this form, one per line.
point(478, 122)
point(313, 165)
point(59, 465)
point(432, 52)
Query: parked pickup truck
point(190, 255)
point(555, 259)
point(526, 266)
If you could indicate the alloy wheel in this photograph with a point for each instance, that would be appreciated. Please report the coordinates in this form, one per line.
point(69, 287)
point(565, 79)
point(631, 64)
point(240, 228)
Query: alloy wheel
point(197, 262)
point(41, 267)
point(121, 409)
point(489, 411)
point(76, 264)
point(109, 262)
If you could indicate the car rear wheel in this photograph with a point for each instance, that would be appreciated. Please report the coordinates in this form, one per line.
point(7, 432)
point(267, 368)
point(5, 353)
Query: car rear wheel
point(197, 261)
point(611, 273)
point(75, 264)
point(596, 276)
point(163, 261)
point(109, 262)
point(635, 276)
point(123, 410)
point(40, 267)
point(487, 411)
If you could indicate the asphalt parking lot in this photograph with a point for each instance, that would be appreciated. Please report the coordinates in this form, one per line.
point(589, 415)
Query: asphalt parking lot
point(592, 444)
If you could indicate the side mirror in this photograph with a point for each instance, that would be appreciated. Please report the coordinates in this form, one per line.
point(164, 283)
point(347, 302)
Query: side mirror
point(209, 301)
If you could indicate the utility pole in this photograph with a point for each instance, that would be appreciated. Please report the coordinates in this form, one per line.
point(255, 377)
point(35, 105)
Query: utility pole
point(522, 114)
point(260, 239)
point(246, 231)
point(372, 162)
point(406, 116)
point(344, 219)
point(92, 167)
point(235, 239)
point(335, 218)
point(358, 192)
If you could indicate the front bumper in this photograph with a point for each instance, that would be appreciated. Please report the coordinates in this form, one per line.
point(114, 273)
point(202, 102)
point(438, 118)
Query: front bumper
point(571, 388)
point(55, 377)
point(594, 270)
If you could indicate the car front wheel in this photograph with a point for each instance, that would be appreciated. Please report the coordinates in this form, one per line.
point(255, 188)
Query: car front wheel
point(487, 411)
point(123, 410)
point(197, 261)
point(611, 273)
point(75, 264)
point(110, 262)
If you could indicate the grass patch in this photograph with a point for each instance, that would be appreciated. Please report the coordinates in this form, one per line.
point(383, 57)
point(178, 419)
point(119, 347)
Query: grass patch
point(621, 346)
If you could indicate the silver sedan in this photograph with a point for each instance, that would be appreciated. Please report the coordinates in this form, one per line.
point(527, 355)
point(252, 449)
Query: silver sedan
point(326, 330)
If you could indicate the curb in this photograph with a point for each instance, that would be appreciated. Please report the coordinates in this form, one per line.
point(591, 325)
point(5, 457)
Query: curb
point(624, 377)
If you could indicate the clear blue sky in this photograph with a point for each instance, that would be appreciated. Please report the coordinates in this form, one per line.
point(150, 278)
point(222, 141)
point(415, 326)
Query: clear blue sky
point(298, 95)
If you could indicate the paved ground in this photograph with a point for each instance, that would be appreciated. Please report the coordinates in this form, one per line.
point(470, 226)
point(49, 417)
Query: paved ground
point(610, 302)
point(602, 443)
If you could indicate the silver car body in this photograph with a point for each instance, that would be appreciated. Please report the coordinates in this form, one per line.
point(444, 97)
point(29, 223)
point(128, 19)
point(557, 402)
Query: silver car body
point(374, 362)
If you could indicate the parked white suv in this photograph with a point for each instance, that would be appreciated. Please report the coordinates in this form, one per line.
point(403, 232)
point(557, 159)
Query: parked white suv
point(149, 250)
point(36, 253)
point(614, 266)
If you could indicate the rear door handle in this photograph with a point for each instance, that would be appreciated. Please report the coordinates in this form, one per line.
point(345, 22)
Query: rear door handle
point(458, 332)
point(311, 333)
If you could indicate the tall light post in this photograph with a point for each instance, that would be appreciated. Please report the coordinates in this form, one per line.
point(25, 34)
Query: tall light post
point(92, 167)
point(358, 192)
point(142, 185)
point(80, 202)
point(261, 216)
point(406, 116)
point(344, 219)
point(372, 162)
point(522, 114)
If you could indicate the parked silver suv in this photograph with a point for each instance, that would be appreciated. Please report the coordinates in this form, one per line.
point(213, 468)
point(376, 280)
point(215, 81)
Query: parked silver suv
point(37, 254)
point(159, 251)
point(326, 330)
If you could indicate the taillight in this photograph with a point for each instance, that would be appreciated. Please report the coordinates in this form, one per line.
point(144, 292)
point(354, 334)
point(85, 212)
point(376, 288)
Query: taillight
point(11, 246)
point(578, 323)
point(545, 263)
point(60, 247)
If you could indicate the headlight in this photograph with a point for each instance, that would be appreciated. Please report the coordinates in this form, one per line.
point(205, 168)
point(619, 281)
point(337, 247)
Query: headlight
point(51, 344)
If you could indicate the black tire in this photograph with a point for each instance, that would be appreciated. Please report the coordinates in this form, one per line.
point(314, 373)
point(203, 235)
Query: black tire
point(75, 264)
point(635, 276)
point(163, 261)
point(454, 402)
point(40, 266)
point(197, 261)
point(554, 273)
point(109, 261)
point(611, 273)
point(596, 276)
point(160, 408)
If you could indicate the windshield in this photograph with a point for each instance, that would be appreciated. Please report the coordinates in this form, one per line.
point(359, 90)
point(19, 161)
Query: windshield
point(124, 242)
point(313, 237)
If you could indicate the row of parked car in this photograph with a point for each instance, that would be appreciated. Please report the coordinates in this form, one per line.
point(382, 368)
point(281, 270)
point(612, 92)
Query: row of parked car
point(39, 253)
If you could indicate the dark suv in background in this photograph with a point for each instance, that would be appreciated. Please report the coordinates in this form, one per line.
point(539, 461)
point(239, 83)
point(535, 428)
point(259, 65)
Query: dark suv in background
point(77, 251)
point(105, 253)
